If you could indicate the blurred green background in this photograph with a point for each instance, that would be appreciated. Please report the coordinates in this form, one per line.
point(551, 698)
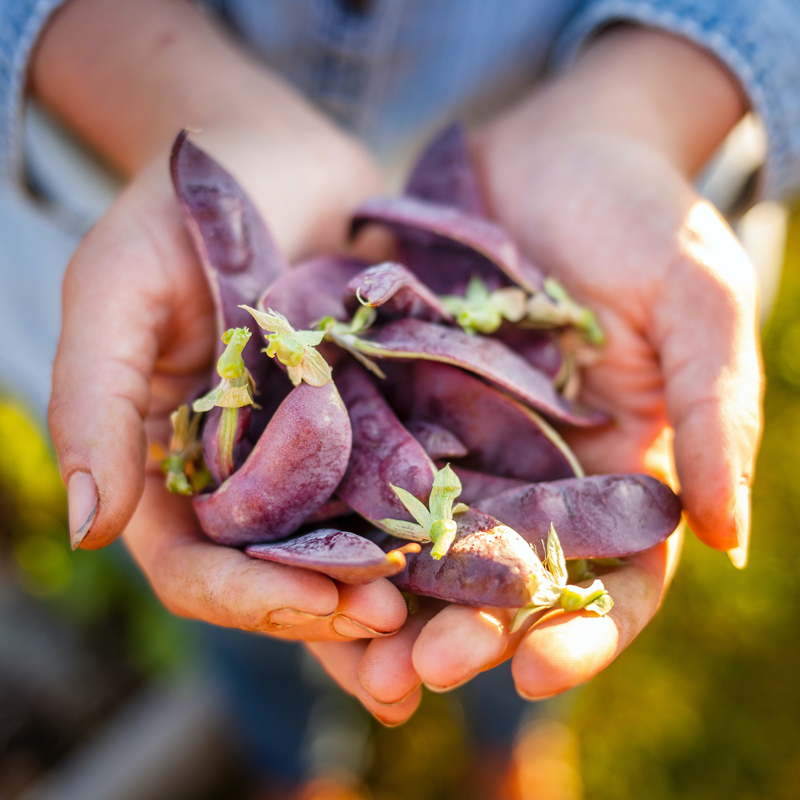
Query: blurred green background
point(706, 704)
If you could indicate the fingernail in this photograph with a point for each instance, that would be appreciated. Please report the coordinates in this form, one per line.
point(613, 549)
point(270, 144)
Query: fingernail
point(536, 698)
point(292, 616)
point(396, 702)
point(83, 503)
point(351, 629)
point(738, 555)
point(387, 724)
point(444, 689)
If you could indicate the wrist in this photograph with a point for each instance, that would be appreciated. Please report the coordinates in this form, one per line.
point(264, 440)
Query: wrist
point(636, 83)
point(127, 75)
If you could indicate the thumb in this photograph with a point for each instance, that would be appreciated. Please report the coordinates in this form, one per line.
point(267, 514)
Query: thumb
point(116, 311)
point(705, 331)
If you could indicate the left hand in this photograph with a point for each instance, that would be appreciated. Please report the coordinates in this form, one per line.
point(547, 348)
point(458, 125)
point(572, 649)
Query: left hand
point(602, 199)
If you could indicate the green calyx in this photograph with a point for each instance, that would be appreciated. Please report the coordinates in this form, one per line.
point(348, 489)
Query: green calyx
point(434, 524)
point(231, 364)
point(482, 311)
point(236, 387)
point(550, 588)
point(183, 465)
point(554, 307)
point(347, 335)
point(294, 349)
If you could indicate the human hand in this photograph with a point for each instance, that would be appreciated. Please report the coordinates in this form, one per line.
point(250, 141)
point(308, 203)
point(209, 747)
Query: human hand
point(139, 330)
point(595, 187)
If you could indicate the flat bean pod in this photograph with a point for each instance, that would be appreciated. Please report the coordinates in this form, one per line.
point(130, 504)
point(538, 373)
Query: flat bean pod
point(422, 224)
point(488, 564)
point(293, 469)
point(444, 174)
point(503, 436)
point(396, 292)
point(383, 453)
point(340, 555)
point(486, 357)
point(601, 516)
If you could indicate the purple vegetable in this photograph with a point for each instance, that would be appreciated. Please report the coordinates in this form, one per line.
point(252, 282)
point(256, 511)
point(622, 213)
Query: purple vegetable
point(397, 292)
point(487, 565)
point(292, 470)
point(602, 516)
point(437, 441)
point(445, 174)
point(312, 290)
point(422, 224)
point(340, 555)
point(330, 509)
point(503, 436)
point(492, 360)
point(238, 255)
point(383, 452)
point(537, 347)
point(476, 486)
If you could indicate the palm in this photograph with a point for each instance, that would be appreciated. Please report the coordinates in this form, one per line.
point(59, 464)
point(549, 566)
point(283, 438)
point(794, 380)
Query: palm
point(607, 219)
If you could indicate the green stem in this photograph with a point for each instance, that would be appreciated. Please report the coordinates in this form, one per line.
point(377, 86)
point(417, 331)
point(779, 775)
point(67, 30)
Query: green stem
point(226, 436)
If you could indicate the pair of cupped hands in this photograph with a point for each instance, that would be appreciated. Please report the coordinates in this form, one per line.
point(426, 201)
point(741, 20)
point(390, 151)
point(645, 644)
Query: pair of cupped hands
point(603, 206)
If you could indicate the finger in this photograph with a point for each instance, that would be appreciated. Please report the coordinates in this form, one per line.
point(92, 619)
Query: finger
point(196, 578)
point(117, 311)
point(705, 331)
point(341, 661)
point(458, 643)
point(374, 609)
point(386, 670)
point(566, 649)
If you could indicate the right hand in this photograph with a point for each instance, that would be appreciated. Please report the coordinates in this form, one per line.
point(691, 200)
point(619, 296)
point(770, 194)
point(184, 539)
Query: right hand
point(138, 337)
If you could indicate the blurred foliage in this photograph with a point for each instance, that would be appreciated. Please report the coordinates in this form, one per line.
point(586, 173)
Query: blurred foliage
point(706, 704)
point(100, 593)
point(425, 758)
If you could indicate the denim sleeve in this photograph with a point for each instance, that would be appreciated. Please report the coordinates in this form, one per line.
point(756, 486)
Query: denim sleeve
point(21, 22)
point(759, 42)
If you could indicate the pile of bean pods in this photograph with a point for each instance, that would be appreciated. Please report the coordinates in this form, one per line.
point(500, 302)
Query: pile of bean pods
point(400, 419)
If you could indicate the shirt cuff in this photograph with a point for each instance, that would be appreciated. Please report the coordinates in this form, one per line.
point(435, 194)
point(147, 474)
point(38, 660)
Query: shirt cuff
point(21, 23)
point(759, 42)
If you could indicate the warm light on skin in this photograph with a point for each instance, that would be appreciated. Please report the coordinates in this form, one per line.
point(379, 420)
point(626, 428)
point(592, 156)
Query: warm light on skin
point(707, 240)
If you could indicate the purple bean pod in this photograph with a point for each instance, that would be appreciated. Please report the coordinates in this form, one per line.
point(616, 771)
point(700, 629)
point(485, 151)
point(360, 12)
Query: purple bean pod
point(602, 516)
point(503, 436)
point(396, 292)
point(486, 357)
point(341, 555)
point(293, 469)
point(488, 564)
point(445, 174)
point(436, 441)
point(384, 452)
point(423, 224)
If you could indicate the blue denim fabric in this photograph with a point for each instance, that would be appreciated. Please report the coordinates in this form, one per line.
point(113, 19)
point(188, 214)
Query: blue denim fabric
point(759, 42)
point(398, 71)
point(21, 22)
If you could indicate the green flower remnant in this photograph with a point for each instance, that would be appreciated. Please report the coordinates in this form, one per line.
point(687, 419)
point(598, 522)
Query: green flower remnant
point(236, 387)
point(294, 349)
point(183, 464)
point(347, 336)
point(483, 311)
point(554, 308)
point(550, 588)
point(434, 524)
